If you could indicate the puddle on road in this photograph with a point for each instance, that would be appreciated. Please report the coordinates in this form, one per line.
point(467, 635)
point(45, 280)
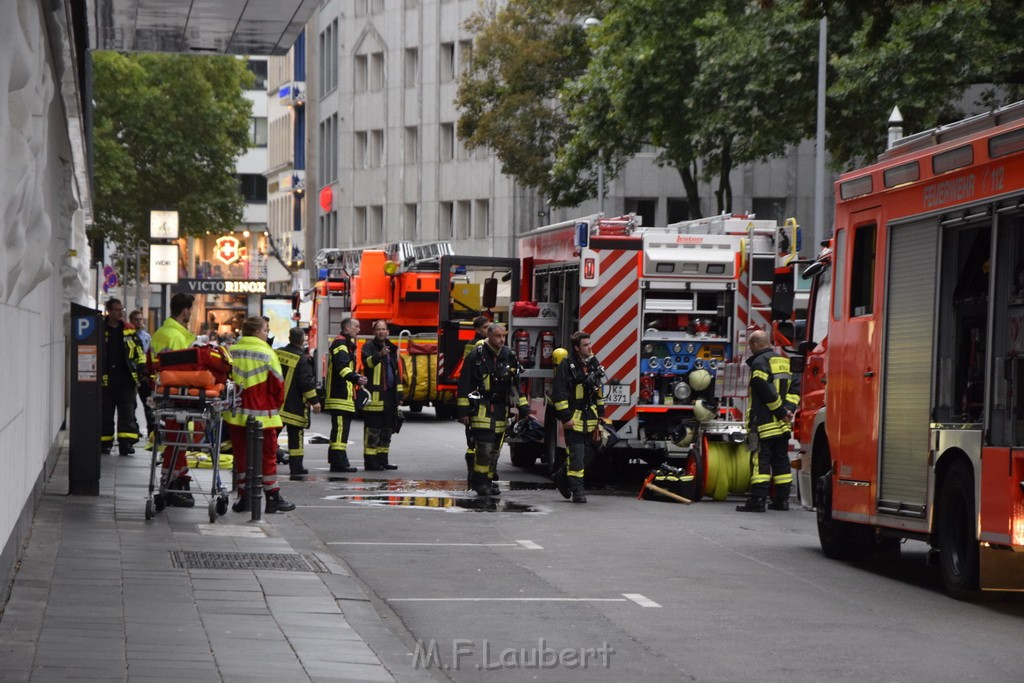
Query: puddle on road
point(420, 499)
point(354, 482)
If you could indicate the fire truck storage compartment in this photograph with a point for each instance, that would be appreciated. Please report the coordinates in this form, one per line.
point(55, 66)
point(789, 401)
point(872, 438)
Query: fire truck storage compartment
point(909, 364)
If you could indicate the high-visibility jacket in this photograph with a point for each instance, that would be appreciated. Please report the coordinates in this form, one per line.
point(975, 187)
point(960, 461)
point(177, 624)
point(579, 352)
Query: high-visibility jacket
point(256, 370)
point(576, 393)
point(493, 375)
point(376, 371)
point(133, 356)
point(172, 336)
point(299, 385)
point(342, 378)
point(770, 394)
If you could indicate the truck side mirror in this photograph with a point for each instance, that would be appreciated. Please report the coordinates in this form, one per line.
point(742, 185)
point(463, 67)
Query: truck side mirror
point(796, 364)
point(783, 294)
point(806, 346)
point(490, 293)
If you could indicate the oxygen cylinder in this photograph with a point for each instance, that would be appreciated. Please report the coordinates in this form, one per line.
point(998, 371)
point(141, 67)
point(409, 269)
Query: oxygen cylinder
point(521, 347)
point(546, 342)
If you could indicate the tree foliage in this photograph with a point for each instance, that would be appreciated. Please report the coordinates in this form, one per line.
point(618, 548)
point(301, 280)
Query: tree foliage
point(717, 83)
point(166, 134)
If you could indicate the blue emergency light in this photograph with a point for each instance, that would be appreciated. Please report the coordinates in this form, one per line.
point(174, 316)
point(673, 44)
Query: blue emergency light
point(582, 236)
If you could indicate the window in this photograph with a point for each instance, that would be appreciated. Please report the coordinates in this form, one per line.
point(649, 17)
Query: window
point(377, 71)
point(359, 79)
point(953, 159)
point(410, 221)
point(258, 131)
point(482, 218)
point(445, 220)
point(412, 67)
point(463, 217)
point(329, 58)
point(447, 58)
point(770, 208)
point(862, 274)
point(642, 207)
point(465, 55)
point(359, 225)
point(376, 224)
point(446, 152)
point(328, 150)
point(412, 145)
point(376, 149)
point(678, 210)
point(253, 187)
point(328, 230)
point(258, 67)
point(839, 272)
point(360, 142)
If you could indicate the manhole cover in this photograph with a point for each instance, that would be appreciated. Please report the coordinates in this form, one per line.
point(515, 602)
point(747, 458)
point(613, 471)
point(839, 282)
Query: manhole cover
point(289, 562)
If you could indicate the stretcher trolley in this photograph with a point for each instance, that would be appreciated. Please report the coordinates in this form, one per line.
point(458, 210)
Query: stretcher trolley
point(190, 394)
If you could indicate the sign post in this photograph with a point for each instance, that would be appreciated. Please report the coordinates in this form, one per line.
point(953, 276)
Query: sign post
point(86, 413)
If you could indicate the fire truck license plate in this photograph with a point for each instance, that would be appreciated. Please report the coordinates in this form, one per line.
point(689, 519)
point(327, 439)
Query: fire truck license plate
point(617, 394)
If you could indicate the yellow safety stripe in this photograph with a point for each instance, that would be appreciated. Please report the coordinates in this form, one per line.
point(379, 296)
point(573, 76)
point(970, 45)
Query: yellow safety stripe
point(574, 473)
point(758, 478)
point(783, 479)
point(774, 405)
point(561, 405)
point(760, 374)
point(309, 395)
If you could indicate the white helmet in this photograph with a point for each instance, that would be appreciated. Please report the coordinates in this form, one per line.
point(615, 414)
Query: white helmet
point(703, 412)
point(700, 380)
point(687, 438)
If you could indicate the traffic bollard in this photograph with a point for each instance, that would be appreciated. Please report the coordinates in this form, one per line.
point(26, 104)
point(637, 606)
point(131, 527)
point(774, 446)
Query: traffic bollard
point(254, 467)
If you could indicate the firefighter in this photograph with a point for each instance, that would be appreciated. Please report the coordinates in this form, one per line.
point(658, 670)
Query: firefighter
point(145, 389)
point(173, 335)
point(120, 380)
point(480, 324)
point(769, 414)
point(343, 382)
point(256, 370)
point(487, 388)
point(380, 362)
point(299, 396)
point(576, 394)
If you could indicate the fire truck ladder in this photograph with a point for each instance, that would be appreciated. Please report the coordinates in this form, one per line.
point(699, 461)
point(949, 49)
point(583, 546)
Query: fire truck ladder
point(409, 256)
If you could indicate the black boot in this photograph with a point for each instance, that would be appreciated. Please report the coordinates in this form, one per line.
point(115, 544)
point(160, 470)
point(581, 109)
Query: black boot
point(275, 503)
point(339, 462)
point(779, 504)
point(481, 484)
point(242, 504)
point(295, 465)
point(385, 465)
point(561, 483)
point(495, 489)
point(576, 486)
point(282, 457)
point(469, 470)
point(371, 463)
point(752, 504)
point(177, 494)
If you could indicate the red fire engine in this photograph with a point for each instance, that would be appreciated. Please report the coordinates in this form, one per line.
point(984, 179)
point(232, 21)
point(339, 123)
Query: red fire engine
point(669, 309)
point(912, 416)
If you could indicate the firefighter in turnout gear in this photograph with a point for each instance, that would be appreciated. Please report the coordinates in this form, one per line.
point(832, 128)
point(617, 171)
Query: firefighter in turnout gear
point(769, 414)
point(380, 362)
point(576, 393)
point(480, 324)
point(256, 370)
point(124, 356)
point(343, 382)
point(299, 396)
point(487, 389)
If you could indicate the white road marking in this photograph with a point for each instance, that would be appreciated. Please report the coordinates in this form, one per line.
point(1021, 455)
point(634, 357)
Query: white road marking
point(641, 600)
point(507, 600)
point(530, 545)
point(478, 545)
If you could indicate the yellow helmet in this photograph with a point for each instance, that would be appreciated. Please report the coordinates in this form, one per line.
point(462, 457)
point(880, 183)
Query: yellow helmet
point(558, 355)
point(703, 412)
point(700, 379)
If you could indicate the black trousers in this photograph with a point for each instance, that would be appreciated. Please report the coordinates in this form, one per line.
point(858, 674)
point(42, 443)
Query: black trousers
point(119, 397)
point(337, 452)
point(296, 440)
point(772, 467)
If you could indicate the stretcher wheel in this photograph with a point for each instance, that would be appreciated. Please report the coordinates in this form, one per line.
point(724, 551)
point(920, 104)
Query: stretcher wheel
point(222, 505)
point(158, 501)
point(149, 508)
point(213, 511)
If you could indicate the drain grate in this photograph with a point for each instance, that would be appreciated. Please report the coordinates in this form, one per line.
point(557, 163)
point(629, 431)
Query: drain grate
point(289, 562)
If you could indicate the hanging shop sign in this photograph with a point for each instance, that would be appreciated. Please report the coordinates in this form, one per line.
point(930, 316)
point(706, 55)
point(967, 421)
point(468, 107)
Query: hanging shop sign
point(193, 286)
point(228, 250)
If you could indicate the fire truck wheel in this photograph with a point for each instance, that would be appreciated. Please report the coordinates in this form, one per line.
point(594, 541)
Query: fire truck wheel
point(839, 540)
point(956, 535)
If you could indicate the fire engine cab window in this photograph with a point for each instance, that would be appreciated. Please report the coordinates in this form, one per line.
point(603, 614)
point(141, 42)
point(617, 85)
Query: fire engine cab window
point(1007, 356)
point(862, 276)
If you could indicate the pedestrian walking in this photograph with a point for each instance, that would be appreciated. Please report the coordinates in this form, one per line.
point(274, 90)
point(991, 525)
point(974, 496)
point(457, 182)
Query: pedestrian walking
point(487, 388)
point(173, 335)
point(380, 360)
point(576, 393)
point(480, 324)
point(120, 380)
point(769, 414)
point(299, 396)
point(342, 384)
point(145, 389)
point(257, 372)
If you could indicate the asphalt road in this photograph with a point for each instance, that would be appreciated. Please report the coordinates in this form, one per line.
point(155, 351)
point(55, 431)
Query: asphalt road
point(537, 588)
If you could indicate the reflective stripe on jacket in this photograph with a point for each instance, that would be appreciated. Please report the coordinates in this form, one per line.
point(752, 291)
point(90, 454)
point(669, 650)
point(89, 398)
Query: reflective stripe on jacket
point(299, 385)
point(135, 357)
point(341, 373)
point(375, 374)
point(770, 395)
point(493, 376)
point(172, 336)
point(576, 394)
point(256, 370)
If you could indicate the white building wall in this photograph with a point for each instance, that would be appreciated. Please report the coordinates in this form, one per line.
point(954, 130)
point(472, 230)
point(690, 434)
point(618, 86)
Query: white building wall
point(41, 181)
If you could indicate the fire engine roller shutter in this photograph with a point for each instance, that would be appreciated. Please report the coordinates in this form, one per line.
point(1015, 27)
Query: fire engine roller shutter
point(909, 334)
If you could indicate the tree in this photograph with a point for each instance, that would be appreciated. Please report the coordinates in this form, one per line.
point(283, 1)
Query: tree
point(167, 132)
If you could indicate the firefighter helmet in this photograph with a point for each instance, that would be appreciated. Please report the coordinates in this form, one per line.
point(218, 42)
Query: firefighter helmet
point(682, 435)
point(528, 430)
point(558, 355)
point(700, 380)
point(704, 411)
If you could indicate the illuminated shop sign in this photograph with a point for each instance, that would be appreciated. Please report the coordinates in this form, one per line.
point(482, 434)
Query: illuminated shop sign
point(192, 286)
point(228, 250)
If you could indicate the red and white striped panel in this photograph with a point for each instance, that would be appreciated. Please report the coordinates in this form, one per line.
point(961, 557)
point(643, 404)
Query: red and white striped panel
point(610, 312)
point(751, 314)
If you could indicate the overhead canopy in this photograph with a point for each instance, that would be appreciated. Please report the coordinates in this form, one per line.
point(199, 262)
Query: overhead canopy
point(238, 27)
